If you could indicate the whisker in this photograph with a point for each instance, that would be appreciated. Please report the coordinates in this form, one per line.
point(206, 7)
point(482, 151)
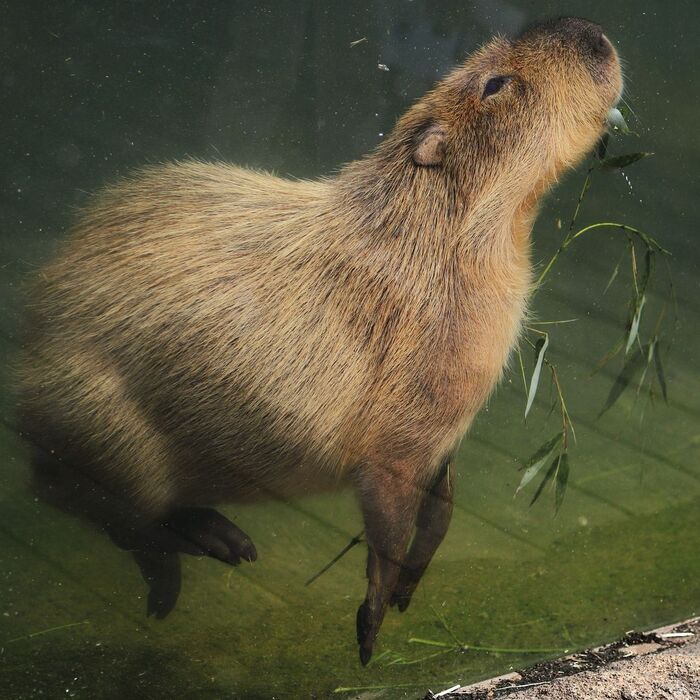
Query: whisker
point(632, 112)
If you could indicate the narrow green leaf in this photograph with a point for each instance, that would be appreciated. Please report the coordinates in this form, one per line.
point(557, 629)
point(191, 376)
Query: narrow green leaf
point(522, 367)
point(562, 480)
point(634, 326)
point(660, 373)
point(634, 364)
point(651, 347)
point(609, 355)
point(544, 450)
point(647, 271)
point(547, 478)
point(650, 242)
point(540, 349)
point(612, 277)
point(538, 460)
point(619, 162)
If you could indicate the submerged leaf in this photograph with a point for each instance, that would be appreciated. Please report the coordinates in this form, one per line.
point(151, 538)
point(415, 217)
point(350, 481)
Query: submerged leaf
point(660, 373)
point(522, 367)
point(602, 148)
point(619, 162)
point(647, 271)
point(651, 347)
point(547, 478)
point(649, 241)
point(609, 355)
point(633, 365)
point(612, 277)
point(540, 349)
point(562, 480)
point(538, 460)
point(634, 326)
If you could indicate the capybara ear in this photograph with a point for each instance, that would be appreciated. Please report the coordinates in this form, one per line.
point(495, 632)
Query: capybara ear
point(430, 146)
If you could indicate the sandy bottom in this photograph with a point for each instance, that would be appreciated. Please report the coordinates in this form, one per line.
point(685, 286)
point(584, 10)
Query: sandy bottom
point(673, 674)
point(659, 665)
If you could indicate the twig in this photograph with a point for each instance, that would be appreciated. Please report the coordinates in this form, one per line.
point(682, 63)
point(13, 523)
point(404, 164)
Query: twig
point(47, 631)
point(493, 650)
point(355, 540)
point(519, 685)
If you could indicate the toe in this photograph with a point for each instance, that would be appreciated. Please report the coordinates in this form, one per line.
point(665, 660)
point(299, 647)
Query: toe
point(247, 550)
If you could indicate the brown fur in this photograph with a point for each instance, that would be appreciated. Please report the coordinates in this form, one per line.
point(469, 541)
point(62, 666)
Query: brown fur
point(211, 334)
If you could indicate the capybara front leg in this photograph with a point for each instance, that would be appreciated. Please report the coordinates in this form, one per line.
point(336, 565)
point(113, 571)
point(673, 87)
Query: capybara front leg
point(195, 531)
point(433, 520)
point(390, 502)
point(212, 533)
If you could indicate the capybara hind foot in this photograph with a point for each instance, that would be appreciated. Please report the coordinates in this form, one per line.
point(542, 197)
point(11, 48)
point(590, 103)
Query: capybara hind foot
point(162, 574)
point(212, 534)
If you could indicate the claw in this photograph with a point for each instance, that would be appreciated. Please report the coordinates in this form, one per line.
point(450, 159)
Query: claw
point(212, 533)
point(248, 551)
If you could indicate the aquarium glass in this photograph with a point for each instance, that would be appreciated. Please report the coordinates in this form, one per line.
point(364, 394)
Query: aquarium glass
point(92, 90)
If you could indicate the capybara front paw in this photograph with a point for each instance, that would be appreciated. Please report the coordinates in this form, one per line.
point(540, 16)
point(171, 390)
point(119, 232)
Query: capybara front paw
point(405, 587)
point(367, 628)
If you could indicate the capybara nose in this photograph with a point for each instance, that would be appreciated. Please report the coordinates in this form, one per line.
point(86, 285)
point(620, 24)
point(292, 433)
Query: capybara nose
point(591, 34)
point(575, 31)
point(576, 26)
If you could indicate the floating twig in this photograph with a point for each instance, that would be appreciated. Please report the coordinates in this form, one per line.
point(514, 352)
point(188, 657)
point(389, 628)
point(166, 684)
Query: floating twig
point(355, 540)
point(47, 631)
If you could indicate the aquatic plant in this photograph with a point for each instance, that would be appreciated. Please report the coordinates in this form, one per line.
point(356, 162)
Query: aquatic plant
point(642, 364)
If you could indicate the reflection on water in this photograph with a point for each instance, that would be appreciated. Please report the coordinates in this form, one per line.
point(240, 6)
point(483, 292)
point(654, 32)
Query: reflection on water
point(94, 90)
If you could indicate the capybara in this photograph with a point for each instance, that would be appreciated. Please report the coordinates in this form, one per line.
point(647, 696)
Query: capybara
point(211, 334)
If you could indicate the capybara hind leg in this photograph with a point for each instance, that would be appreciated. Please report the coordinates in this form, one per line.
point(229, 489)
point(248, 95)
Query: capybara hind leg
point(433, 520)
point(71, 484)
point(212, 533)
point(156, 549)
point(390, 504)
point(162, 573)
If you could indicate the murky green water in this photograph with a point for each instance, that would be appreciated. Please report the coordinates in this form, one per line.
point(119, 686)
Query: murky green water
point(93, 89)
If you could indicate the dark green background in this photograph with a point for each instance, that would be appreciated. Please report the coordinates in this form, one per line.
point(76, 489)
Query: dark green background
point(92, 89)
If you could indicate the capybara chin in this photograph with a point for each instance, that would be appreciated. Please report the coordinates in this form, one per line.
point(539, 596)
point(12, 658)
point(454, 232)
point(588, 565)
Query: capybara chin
point(210, 334)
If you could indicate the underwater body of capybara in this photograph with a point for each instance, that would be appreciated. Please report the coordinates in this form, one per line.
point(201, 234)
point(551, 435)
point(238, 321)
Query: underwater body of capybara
point(209, 334)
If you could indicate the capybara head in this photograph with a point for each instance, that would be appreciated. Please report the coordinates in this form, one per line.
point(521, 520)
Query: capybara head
point(517, 112)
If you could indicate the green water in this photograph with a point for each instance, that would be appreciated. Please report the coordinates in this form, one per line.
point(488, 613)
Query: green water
point(93, 89)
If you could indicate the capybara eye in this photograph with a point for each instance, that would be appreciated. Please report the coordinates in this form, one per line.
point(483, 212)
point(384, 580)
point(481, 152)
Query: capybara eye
point(493, 85)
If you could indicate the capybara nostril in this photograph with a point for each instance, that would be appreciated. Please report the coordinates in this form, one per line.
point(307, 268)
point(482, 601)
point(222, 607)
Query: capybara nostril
point(601, 45)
